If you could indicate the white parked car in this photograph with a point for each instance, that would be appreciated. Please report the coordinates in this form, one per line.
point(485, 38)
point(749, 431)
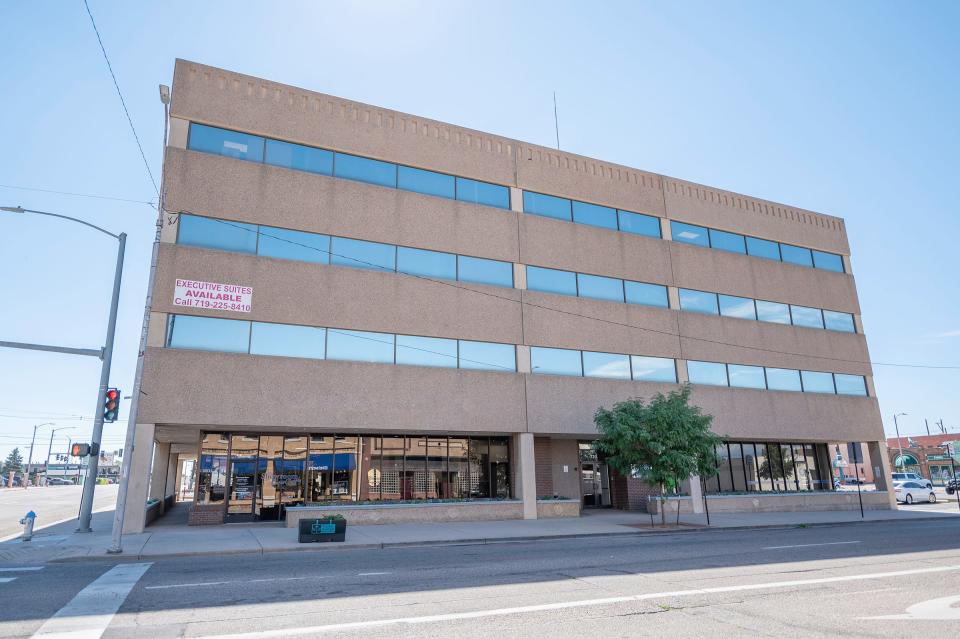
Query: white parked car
point(913, 491)
point(912, 477)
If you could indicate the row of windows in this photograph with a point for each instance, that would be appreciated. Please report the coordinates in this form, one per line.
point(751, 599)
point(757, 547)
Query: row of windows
point(290, 340)
point(255, 148)
point(562, 208)
point(561, 361)
point(764, 311)
point(783, 379)
point(613, 289)
point(275, 242)
point(746, 245)
point(769, 467)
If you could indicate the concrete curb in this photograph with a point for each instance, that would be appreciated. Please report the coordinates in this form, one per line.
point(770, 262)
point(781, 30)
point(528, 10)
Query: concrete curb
point(475, 541)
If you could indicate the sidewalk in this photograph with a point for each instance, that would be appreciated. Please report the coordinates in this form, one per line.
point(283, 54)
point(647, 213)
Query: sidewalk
point(60, 543)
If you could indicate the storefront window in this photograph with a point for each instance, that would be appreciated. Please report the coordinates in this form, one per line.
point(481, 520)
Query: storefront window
point(212, 475)
point(480, 467)
point(319, 481)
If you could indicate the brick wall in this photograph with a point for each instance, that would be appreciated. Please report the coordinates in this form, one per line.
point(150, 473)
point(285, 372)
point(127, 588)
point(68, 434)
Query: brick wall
point(206, 515)
point(628, 493)
point(543, 458)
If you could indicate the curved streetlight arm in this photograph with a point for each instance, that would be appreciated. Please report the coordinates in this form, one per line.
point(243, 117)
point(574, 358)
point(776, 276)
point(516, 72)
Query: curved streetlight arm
point(20, 209)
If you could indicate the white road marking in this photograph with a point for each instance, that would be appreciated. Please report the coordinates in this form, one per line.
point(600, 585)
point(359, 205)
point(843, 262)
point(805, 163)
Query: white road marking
point(940, 609)
point(4, 580)
point(88, 614)
point(829, 543)
point(235, 581)
point(476, 614)
point(370, 574)
point(23, 569)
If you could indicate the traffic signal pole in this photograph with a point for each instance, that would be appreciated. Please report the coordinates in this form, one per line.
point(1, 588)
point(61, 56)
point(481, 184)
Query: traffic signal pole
point(86, 501)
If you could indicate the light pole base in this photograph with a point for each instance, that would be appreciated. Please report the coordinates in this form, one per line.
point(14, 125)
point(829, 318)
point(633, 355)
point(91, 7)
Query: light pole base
point(83, 530)
point(114, 550)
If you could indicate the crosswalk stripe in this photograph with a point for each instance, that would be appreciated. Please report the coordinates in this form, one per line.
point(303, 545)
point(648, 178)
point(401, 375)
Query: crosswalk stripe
point(22, 569)
point(4, 580)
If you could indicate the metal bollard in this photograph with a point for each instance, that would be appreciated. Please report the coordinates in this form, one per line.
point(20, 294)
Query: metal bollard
point(27, 522)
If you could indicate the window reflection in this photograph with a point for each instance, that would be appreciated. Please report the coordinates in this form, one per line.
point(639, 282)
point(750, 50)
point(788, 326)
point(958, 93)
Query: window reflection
point(427, 182)
point(293, 245)
point(547, 205)
point(796, 255)
point(601, 288)
point(740, 307)
point(594, 215)
point(205, 232)
point(724, 241)
point(353, 167)
point(555, 361)
point(222, 142)
point(639, 224)
point(653, 369)
point(710, 373)
point(299, 157)
point(773, 312)
point(698, 302)
point(426, 263)
point(483, 271)
point(608, 365)
point(689, 234)
point(550, 280)
point(645, 294)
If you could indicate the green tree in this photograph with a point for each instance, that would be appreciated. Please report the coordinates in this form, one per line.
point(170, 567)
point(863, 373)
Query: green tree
point(663, 441)
point(13, 462)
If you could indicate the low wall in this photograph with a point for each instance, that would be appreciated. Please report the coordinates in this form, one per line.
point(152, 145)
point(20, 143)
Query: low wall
point(554, 508)
point(780, 502)
point(206, 514)
point(411, 513)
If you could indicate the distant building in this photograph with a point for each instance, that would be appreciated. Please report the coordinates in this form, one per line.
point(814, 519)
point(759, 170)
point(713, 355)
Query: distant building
point(925, 455)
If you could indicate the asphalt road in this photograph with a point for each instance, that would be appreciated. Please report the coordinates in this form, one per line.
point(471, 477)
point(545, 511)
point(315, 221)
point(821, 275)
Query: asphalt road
point(810, 582)
point(51, 503)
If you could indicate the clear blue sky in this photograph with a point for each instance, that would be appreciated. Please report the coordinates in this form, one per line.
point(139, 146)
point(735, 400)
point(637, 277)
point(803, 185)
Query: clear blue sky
point(845, 108)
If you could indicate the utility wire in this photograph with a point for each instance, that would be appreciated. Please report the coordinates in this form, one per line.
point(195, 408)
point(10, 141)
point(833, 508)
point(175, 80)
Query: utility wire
point(378, 267)
point(122, 101)
point(97, 197)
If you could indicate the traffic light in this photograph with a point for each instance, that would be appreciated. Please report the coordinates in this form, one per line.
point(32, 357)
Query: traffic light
point(80, 450)
point(111, 405)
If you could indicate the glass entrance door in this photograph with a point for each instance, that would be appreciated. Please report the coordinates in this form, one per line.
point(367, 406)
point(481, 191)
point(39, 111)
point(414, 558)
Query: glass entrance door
point(269, 477)
point(243, 477)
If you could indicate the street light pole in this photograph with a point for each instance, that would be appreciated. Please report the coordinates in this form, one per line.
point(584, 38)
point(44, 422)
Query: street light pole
point(86, 501)
point(26, 480)
point(899, 443)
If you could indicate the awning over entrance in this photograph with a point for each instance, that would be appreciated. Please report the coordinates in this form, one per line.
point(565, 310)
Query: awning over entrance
point(905, 460)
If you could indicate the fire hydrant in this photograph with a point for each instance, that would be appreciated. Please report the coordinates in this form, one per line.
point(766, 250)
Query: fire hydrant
point(27, 522)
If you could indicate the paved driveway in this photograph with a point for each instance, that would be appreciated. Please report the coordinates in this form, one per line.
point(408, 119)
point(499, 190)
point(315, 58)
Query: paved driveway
point(51, 503)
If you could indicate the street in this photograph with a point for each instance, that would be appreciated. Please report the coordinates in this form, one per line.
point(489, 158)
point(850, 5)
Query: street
point(811, 582)
point(50, 503)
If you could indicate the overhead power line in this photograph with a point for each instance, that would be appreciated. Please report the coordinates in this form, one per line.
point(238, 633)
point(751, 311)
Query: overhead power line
point(580, 315)
point(122, 101)
point(88, 195)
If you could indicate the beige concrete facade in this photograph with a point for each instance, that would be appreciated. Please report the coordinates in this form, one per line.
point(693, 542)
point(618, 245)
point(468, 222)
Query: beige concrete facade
point(338, 396)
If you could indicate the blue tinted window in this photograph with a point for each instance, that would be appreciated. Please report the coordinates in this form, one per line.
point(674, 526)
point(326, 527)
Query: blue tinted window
point(710, 373)
point(287, 341)
point(763, 248)
point(483, 193)
point(639, 224)
point(353, 167)
point(486, 356)
point(609, 365)
point(837, 321)
point(653, 369)
point(746, 376)
point(411, 179)
point(555, 361)
point(209, 334)
point(646, 294)
point(359, 346)
point(481, 271)
point(773, 312)
point(828, 261)
point(698, 302)
point(222, 142)
point(546, 205)
point(689, 234)
point(225, 235)
point(426, 263)
point(551, 280)
point(815, 382)
point(594, 215)
point(724, 241)
point(360, 254)
point(601, 288)
point(741, 307)
point(850, 384)
point(426, 351)
point(783, 379)
point(299, 157)
point(804, 316)
point(294, 245)
point(796, 255)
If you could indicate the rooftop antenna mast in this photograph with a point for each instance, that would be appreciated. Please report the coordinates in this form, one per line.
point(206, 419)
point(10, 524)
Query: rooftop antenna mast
point(556, 120)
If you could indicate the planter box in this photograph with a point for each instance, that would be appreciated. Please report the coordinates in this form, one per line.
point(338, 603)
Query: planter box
point(410, 513)
point(555, 508)
point(320, 530)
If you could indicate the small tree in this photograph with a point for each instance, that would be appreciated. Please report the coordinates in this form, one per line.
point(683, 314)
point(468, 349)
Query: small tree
point(13, 462)
point(664, 441)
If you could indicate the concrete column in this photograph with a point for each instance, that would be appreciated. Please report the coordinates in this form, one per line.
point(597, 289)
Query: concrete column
point(178, 478)
point(880, 460)
point(673, 297)
point(696, 494)
point(527, 474)
point(139, 479)
point(682, 376)
point(158, 473)
point(516, 199)
point(665, 228)
point(169, 484)
point(520, 276)
point(523, 358)
point(157, 330)
point(179, 130)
